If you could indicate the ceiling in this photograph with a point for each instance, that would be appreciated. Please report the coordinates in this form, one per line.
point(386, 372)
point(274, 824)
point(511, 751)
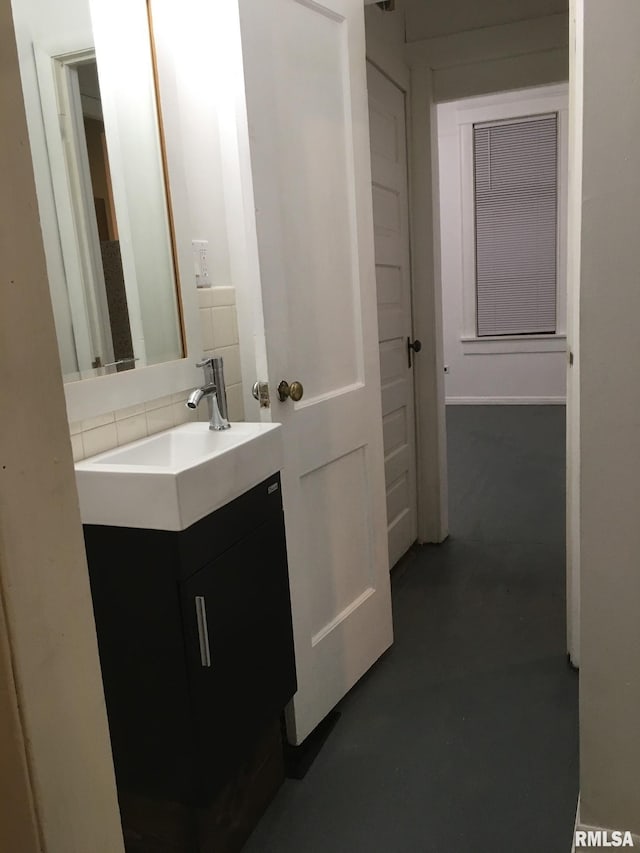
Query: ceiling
point(430, 18)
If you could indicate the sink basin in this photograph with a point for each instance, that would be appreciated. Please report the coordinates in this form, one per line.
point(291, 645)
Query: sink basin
point(170, 480)
point(178, 448)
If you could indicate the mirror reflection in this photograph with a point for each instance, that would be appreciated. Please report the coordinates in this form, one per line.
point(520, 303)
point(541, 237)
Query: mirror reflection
point(99, 168)
point(113, 346)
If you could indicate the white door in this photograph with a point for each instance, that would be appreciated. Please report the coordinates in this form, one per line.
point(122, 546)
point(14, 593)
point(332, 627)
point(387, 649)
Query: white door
point(304, 69)
point(391, 230)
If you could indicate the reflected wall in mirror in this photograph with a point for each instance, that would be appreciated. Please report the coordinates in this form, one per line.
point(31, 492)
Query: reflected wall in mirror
point(118, 344)
point(110, 255)
point(97, 296)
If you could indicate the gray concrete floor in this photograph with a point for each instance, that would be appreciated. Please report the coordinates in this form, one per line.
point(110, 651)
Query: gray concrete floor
point(463, 738)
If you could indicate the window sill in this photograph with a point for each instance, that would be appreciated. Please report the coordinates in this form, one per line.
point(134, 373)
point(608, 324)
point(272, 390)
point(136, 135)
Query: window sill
point(508, 344)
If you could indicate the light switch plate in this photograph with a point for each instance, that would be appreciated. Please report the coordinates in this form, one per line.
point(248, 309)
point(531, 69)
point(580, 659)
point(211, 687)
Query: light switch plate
point(200, 250)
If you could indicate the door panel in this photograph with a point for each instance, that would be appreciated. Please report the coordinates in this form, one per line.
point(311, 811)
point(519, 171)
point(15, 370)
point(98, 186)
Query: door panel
point(389, 284)
point(316, 188)
point(339, 564)
point(391, 229)
point(394, 430)
point(304, 71)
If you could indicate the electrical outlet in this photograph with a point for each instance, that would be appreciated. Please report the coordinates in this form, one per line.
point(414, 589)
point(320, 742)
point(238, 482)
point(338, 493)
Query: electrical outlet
point(200, 249)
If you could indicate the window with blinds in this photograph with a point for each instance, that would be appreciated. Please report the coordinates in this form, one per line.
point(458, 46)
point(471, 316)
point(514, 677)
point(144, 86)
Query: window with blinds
point(516, 203)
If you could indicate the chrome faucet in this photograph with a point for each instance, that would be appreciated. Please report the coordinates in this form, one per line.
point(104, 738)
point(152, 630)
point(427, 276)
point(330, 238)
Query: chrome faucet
point(215, 391)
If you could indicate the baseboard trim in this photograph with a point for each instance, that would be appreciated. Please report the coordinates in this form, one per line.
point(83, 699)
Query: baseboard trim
point(506, 401)
point(584, 827)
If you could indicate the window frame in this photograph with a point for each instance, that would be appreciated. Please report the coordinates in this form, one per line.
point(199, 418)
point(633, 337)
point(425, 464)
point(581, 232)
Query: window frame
point(517, 105)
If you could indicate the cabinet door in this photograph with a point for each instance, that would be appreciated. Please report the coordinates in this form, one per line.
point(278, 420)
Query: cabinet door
point(239, 647)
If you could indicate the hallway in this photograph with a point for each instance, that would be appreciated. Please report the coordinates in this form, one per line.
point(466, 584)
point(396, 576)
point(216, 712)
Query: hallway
point(463, 738)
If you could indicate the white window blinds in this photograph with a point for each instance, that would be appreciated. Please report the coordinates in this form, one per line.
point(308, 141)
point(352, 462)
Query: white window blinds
point(515, 166)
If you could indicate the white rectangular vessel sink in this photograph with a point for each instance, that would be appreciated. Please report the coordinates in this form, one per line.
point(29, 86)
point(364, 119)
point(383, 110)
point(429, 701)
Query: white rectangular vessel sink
point(170, 480)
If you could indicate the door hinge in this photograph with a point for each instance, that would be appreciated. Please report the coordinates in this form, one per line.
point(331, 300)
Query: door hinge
point(570, 359)
point(260, 391)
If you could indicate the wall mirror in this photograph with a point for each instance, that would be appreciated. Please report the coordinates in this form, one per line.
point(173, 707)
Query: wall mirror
point(107, 172)
point(101, 172)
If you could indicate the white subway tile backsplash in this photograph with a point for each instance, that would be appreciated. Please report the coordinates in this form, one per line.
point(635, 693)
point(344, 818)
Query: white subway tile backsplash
point(129, 412)
point(75, 427)
point(99, 439)
point(77, 447)
point(205, 297)
point(210, 297)
point(225, 326)
point(158, 403)
point(224, 296)
point(132, 428)
point(206, 328)
point(98, 421)
point(160, 419)
point(235, 402)
point(181, 414)
point(231, 360)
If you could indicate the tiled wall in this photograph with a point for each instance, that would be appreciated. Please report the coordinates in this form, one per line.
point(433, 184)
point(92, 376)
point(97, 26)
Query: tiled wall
point(219, 328)
point(219, 337)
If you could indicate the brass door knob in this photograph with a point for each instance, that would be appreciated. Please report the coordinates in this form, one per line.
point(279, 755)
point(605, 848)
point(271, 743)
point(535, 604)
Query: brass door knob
point(293, 391)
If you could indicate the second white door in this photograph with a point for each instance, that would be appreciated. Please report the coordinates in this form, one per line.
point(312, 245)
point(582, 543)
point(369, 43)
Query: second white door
point(391, 230)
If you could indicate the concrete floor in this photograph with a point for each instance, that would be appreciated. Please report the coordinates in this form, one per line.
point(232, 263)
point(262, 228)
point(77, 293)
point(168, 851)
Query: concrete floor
point(464, 737)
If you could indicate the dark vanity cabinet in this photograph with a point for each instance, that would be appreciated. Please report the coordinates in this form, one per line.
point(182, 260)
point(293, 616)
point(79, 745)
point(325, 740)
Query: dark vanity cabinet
point(196, 648)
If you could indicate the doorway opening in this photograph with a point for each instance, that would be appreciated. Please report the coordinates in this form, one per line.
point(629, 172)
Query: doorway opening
point(502, 172)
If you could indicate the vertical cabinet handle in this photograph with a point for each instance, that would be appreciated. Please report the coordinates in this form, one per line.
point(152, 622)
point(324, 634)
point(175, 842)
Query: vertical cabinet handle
point(203, 631)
